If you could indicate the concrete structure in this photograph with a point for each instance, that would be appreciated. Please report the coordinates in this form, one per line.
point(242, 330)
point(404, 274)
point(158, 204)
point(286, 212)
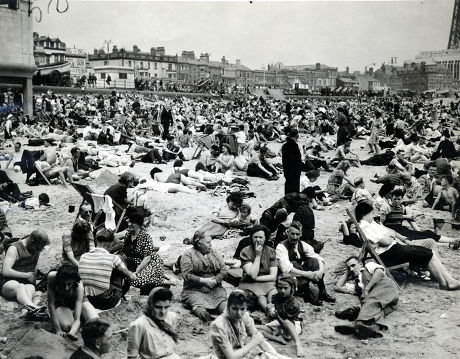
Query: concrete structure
point(17, 63)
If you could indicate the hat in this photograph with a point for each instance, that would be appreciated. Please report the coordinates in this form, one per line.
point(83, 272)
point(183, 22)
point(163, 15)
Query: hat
point(9, 116)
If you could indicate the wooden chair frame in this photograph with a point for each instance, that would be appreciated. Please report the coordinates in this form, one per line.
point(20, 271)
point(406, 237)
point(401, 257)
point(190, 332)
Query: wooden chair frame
point(85, 192)
point(368, 251)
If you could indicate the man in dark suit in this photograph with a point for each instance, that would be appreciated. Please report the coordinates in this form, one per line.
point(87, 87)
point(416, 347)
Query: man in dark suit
point(292, 163)
point(166, 121)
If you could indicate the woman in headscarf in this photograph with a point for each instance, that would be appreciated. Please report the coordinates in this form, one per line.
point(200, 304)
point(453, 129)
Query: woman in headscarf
point(153, 335)
point(203, 271)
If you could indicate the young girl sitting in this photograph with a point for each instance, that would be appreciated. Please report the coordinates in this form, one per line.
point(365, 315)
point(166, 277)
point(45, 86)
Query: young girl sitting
point(244, 219)
point(284, 312)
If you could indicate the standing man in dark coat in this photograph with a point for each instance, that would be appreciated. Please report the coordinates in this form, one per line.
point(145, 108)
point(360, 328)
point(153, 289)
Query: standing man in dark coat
point(292, 163)
point(166, 121)
point(342, 122)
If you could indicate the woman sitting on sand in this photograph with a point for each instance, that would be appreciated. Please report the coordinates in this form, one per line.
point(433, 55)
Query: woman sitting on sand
point(258, 166)
point(65, 300)
point(203, 271)
point(234, 334)
point(335, 186)
point(17, 279)
point(259, 266)
point(137, 244)
point(224, 163)
point(153, 335)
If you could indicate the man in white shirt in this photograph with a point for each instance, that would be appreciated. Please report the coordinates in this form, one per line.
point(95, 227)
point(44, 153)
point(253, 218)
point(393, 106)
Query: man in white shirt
point(379, 295)
point(298, 259)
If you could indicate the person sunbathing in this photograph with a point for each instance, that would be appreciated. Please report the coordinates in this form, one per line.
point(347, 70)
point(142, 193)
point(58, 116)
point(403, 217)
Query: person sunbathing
point(447, 196)
point(393, 248)
point(378, 293)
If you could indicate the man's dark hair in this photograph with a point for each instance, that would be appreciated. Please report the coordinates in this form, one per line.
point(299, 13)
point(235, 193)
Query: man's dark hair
point(237, 297)
point(104, 236)
point(74, 151)
point(385, 189)
point(397, 192)
point(94, 330)
point(448, 178)
point(350, 258)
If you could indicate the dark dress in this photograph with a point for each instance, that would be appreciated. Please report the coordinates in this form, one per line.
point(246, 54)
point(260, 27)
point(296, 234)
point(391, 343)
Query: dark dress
point(118, 193)
point(292, 166)
point(25, 263)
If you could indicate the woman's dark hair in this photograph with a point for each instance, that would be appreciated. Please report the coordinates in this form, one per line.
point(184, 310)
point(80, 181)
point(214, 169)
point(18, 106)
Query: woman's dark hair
point(352, 257)
point(200, 166)
point(236, 198)
point(136, 218)
point(178, 163)
point(155, 170)
point(385, 189)
point(258, 228)
point(125, 178)
point(312, 174)
point(81, 229)
point(237, 297)
point(156, 295)
point(362, 209)
point(65, 272)
point(104, 236)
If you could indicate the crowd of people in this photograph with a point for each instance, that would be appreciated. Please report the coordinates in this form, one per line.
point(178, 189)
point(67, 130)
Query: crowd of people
point(277, 257)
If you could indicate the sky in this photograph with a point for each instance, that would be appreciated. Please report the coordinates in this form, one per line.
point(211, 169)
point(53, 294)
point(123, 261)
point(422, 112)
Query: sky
point(335, 33)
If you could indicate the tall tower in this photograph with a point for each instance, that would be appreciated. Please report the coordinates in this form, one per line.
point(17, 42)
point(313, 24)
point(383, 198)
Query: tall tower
point(454, 38)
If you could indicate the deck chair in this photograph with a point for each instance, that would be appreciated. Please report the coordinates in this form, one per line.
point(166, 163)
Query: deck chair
point(39, 173)
point(368, 251)
point(203, 141)
point(85, 192)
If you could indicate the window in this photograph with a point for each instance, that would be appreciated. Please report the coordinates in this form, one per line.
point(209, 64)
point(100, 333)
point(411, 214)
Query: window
point(123, 76)
point(142, 65)
point(156, 75)
point(48, 59)
point(129, 63)
point(169, 75)
point(12, 4)
point(169, 67)
point(122, 62)
point(106, 62)
point(155, 66)
point(102, 75)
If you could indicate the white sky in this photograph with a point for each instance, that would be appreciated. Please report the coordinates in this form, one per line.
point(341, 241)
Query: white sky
point(336, 33)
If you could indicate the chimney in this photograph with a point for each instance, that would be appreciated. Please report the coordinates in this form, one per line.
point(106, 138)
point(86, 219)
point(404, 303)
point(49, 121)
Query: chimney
point(318, 66)
point(160, 51)
point(136, 49)
point(204, 57)
point(223, 60)
point(238, 62)
point(115, 49)
point(347, 70)
point(95, 52)
point(371, 71)
point(153, 51)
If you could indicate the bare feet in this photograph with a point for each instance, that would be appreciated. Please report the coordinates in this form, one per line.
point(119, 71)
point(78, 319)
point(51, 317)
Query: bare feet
point(300, 352)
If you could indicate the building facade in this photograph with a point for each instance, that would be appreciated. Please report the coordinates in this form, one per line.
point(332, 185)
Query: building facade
point(17, 64)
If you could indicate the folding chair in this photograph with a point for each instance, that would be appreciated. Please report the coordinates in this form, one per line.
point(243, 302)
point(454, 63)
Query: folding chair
point(85, 192)
point(203, 141)
point(368, 251)
point(40, 172)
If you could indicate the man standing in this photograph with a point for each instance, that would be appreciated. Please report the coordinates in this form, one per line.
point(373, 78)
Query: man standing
point(292, 163)
point(166, 119)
